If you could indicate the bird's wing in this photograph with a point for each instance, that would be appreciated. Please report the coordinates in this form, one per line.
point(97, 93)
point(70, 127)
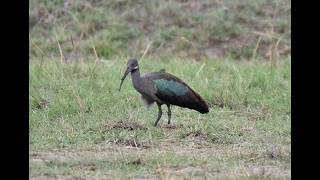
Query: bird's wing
point(173, 90)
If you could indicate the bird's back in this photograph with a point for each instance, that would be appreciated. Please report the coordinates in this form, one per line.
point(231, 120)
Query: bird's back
point(172, 90)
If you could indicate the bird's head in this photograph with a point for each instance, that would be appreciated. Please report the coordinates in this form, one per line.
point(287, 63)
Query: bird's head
point(132, 66)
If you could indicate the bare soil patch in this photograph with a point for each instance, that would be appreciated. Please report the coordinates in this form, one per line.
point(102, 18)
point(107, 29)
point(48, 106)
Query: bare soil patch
point(131, 126)
point(138, 161)
point(130, 142)
point(197, 135)
point(201, 172)
point(178, 126)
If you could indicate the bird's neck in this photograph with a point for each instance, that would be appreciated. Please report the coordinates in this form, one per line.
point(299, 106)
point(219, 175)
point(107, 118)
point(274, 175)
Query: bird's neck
point(136, 79)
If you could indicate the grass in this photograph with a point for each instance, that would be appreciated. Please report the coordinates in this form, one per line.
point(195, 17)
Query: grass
point(82, 126)
point(197, 29)
point(235, 53)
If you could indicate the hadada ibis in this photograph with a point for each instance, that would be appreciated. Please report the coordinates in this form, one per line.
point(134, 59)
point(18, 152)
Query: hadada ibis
point(163, 88)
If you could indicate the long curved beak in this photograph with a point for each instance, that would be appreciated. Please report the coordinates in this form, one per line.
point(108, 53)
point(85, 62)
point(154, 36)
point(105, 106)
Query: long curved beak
point(124, 76)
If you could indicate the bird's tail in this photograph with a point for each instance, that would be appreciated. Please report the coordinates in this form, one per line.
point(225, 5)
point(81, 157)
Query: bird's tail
point(200, 105)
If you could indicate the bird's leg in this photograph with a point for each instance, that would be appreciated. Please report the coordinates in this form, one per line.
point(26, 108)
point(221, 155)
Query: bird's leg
point(159, 114)
point(169, 114)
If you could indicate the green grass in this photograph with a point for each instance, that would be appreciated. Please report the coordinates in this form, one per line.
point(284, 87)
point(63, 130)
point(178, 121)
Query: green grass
point(74, 107)
point(197, 29)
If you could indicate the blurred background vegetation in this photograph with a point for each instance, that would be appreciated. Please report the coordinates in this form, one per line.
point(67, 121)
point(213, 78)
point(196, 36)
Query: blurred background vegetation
point(236, 29)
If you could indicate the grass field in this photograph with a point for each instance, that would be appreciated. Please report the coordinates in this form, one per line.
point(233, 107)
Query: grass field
point(239, 29)
point(81, 125)
point(236, 54)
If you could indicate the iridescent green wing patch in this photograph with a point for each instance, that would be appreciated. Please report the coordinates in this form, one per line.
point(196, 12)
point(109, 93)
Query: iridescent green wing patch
point(170, 87)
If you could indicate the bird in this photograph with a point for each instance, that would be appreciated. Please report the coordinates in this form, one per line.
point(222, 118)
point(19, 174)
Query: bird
point(163, 88)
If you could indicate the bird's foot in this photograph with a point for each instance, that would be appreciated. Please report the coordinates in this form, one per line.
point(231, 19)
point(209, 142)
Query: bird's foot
point(170, 125)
